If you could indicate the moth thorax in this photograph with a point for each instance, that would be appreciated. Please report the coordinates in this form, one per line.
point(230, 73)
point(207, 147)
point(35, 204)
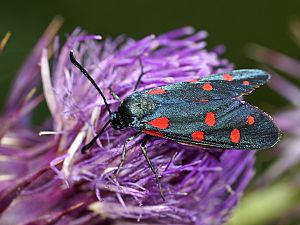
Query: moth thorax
point(137, 106)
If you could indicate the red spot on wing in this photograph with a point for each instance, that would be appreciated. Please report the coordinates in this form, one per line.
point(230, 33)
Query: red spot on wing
point(160, 122)
point(245, 82)
point(192, 81)
point(201, 100)
point(153, 133)
point(250, 120)
point(210, 119)
point(157, 91)
point(198, 136)
point(235, 136)
point(227, 77)
point(207, 87)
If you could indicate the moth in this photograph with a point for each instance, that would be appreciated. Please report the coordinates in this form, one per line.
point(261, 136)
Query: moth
point(207, 112)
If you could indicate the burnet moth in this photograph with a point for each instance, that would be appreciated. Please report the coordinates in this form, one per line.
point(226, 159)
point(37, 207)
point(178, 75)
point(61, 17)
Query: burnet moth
point(206, 111)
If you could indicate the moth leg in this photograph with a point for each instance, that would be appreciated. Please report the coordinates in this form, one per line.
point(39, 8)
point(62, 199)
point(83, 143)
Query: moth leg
point(113, 94)
point(123, 156)
point(140, 76)
point(143, 148)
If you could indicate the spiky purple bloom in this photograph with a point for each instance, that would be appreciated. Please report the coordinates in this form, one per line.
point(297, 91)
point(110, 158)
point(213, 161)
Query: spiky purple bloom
point(80, 189)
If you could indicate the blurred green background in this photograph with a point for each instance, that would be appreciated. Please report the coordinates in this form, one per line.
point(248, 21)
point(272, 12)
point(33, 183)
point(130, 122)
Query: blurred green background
point(234, 23)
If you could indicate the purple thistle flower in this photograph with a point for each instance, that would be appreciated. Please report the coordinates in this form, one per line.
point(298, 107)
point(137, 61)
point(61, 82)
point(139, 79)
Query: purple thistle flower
point(46, 180)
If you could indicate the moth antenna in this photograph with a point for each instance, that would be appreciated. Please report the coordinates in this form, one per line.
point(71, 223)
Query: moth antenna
point(86, 74)
point(90, 144)
point(140, 76)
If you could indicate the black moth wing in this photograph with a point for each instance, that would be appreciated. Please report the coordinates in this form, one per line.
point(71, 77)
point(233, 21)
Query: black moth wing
point(223, 123)
point(217, 86)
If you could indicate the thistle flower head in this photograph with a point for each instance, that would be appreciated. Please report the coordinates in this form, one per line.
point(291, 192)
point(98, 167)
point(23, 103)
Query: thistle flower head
point(199, 189)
